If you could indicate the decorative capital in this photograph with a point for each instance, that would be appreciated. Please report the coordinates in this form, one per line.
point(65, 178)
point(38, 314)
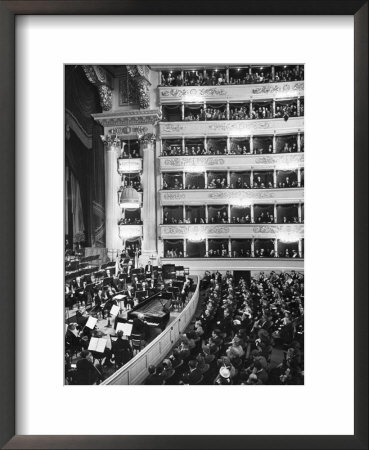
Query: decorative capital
point(111, 141)
point(147, 138)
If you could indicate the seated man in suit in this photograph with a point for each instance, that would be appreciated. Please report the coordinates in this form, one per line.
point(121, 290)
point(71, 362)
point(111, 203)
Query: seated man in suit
point(86, 372)
point(194, 374)
point(148, 269)
point(72, 339)
point(140, 326)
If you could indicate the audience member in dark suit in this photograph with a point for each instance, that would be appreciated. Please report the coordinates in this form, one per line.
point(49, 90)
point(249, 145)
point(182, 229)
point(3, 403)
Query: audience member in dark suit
point(194, 374)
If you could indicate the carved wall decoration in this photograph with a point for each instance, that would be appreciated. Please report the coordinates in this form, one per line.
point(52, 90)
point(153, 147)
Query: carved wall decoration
point(128, 118)
point(231, 127)
point(201, 230)
point(276, 229)
point(173, 196)
point(106, 98)
point(98, 76)
point(280, 159)
point(128, 130)
point(189, 161)
point(169, 128)
point(285, 88)
point(241, 195)
point(231, 92)
point(203, 92)
point(140, 77)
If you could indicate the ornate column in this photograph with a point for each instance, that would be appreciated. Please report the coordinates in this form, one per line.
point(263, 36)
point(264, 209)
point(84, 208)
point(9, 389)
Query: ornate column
point(228, 110)
point(300, 248)
point(251, 145)
point(206, 247)
point(229, 213)
point(299, 177)
point(275, 248)
point(228, 145)
point(300, 213)
point(274, 143)
point(252, 248)
point(229, 248)
point(112, 185)
point(252, 178)
point(185, 247)
point(275, 212)
point(227, 75)
point(252, 213)
point(206, 215)
point(274, 178)
point(299, 142)
point(184, 212)
point(298, 106)
point(183, 146)
point(183, 111)
point(147, 143)
point(273, 107)
point(206, 180)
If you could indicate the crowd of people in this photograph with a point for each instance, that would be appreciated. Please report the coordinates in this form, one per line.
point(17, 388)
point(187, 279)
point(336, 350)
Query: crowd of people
point(130, 153)
point(216, 250)
point(176, 150)
point(130, 221)
point(237, 76)
point(221, 182)
point(222, 217)
point(134, 183)
point(245, 334)
point(284, 111)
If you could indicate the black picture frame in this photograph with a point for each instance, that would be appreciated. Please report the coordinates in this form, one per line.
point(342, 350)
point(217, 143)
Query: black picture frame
point(8, 11)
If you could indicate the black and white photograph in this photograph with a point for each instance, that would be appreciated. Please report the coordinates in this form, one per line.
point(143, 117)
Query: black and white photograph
point(184, 224)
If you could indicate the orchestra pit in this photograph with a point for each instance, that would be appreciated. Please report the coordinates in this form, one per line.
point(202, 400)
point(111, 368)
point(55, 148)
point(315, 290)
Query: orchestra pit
point(184, 225)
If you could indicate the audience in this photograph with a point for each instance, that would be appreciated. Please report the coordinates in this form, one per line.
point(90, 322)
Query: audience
point(215, 77)
point(245, 334)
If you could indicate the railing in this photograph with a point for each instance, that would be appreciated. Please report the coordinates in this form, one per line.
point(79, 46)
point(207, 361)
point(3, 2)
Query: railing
point(226, 230)
point(135, 371)
point(231, 162)
point(199, 265)
point(235, 128)
point(244, 92)
point(230, 196)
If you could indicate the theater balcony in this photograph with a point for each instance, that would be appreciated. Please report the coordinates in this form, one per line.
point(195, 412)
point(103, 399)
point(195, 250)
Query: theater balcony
point(234, 231)
point(129, 232)
point(232, 93)
point(231, 162)
point(230, 196)
point(231, 128)
point(129, 165)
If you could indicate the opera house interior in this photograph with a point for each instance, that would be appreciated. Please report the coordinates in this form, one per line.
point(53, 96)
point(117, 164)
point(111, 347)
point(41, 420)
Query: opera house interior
point(184, 224)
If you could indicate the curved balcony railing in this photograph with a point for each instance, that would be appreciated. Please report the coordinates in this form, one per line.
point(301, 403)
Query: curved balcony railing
point(135, 371)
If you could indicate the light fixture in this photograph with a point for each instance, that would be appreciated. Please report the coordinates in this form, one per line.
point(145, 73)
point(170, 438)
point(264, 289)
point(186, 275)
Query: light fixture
point(128, 197)
point(288, 238)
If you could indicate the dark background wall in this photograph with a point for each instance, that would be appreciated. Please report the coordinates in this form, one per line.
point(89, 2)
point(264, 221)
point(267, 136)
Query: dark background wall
point(84, 154)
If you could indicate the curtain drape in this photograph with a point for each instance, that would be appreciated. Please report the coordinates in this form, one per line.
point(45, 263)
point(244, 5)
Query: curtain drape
point(77, 212)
